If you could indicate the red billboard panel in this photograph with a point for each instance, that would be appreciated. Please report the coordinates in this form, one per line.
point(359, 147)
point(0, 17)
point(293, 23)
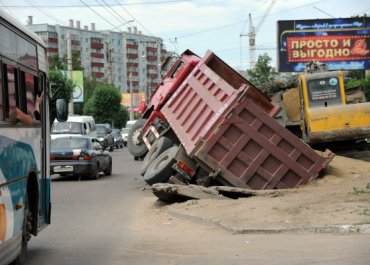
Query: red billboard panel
point(328, 48)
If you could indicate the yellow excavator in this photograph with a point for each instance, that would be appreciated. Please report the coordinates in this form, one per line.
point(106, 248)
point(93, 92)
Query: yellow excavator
point(326, 115)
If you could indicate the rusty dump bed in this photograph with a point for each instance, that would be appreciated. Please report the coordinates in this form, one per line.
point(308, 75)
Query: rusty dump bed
point(228, 126)
point(205, 96)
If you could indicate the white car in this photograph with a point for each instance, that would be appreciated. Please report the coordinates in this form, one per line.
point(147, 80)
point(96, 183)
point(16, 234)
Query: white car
point(126, 131)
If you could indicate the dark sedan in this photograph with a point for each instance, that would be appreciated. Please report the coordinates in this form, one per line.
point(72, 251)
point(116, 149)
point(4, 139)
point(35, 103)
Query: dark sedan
point(79, 155)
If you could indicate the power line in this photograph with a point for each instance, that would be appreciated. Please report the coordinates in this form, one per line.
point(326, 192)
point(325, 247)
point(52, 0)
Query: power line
point(109, 13)
point(247, 20)
point(44, 12)
point(132, 4)
point(97, 13)
point(117, 13)
point(8, 9)
point(135, 19)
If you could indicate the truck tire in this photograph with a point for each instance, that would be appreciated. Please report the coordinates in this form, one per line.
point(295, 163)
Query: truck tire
point(161, 145)
point(135, 145)
point(160, 170)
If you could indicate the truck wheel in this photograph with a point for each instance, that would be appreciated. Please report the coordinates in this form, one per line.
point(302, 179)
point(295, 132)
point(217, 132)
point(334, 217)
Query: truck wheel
point(136, 146)
point(160, 170)
point(161, 145)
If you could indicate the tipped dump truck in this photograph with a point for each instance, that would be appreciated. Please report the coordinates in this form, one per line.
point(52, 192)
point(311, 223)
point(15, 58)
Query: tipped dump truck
point(214, 127)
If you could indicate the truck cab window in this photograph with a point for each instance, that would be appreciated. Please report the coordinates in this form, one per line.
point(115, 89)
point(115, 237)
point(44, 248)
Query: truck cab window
point(177, 68)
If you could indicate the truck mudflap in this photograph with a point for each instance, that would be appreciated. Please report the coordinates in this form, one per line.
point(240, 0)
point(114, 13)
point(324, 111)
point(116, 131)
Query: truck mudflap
point(339, 135)
point(254, 151)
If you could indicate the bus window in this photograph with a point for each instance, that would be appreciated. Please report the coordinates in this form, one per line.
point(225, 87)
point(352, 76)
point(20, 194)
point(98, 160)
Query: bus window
point(31, 92)
point(11, 95)
point(1, 101)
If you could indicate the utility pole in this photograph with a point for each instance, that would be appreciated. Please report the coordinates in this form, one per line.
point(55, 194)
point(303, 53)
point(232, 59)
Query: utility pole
point(109, 62)
point(131, 99)
point(69, 72)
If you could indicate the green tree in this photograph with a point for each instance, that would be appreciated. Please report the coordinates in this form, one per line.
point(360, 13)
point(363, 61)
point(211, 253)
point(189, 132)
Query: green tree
point(366, 83)
point(262, 72)
point(121, 118)
point(105, 106)
point(56, 79)
point(61, 63)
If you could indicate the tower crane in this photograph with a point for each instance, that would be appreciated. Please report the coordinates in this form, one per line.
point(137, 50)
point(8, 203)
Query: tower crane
point(252, 37)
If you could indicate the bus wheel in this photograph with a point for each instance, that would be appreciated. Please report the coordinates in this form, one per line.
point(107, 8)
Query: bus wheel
point(26, 235)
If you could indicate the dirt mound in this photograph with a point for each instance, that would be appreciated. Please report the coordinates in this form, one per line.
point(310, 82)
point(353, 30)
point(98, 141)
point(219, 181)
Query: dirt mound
point(291, 104)
point(338, 196)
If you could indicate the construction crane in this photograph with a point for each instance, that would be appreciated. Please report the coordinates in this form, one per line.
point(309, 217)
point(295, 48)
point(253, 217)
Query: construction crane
point(252, 37)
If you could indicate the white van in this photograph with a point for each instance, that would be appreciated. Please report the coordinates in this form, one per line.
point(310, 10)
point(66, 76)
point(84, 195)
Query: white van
point(75, 125)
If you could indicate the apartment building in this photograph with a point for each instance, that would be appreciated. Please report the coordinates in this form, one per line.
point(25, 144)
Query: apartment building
point(132, 52)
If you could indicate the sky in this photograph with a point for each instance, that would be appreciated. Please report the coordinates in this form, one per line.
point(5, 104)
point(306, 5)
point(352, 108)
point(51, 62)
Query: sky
point(198, 25)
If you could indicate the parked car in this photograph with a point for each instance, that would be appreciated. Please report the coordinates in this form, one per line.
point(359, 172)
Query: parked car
point(118, 141)
point(105, 135)
point(75, 125)
point(79, 155)
point(125, 132)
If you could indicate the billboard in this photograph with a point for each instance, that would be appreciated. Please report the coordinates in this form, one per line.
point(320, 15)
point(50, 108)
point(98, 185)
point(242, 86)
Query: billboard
point(78, 82)
point(139, 101)
point(343, 43)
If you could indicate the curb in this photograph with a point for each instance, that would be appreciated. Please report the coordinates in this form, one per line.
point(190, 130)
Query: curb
point(363, 229)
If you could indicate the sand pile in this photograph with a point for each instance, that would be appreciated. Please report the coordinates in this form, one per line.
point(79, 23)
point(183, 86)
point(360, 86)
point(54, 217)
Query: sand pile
point(291, 103)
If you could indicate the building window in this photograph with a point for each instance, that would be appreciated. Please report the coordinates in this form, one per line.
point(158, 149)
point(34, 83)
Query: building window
point(112, 41)
point(143, 71)
point(87, 49)
point(112, 49)
point(143, 53)
point(87, 40)
point(119, 78)
point(119, 50)
point(119, 42)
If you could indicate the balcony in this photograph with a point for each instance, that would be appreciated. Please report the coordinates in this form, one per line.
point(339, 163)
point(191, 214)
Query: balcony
point(133, 73)
point(75, 42)
point(97, 55)
point(131, 46)
point(163, 51)
point(151, 66)
point(151, 49)
point(97, 45)
point(152, 75)
point(132, 64)
point(153, 84)
point(55, 50)
point(151, 58)
point(134, 83)
point(97, 74)
point(132, 55)
point(79, 52)
point(54, 40)
point(93, 64)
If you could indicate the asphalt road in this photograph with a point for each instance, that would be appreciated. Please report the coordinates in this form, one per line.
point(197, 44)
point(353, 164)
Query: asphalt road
point(91, 222)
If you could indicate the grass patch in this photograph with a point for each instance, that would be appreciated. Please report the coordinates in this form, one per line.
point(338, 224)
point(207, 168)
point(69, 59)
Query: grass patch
point(275, 208)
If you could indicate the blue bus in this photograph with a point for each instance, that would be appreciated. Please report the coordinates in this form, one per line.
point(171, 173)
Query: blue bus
point(24, 146)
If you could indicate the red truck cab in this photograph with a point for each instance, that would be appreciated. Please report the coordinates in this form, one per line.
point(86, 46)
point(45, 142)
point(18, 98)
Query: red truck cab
point(173, 79)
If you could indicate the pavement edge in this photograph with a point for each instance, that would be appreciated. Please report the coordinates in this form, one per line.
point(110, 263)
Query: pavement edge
point(363, 229)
